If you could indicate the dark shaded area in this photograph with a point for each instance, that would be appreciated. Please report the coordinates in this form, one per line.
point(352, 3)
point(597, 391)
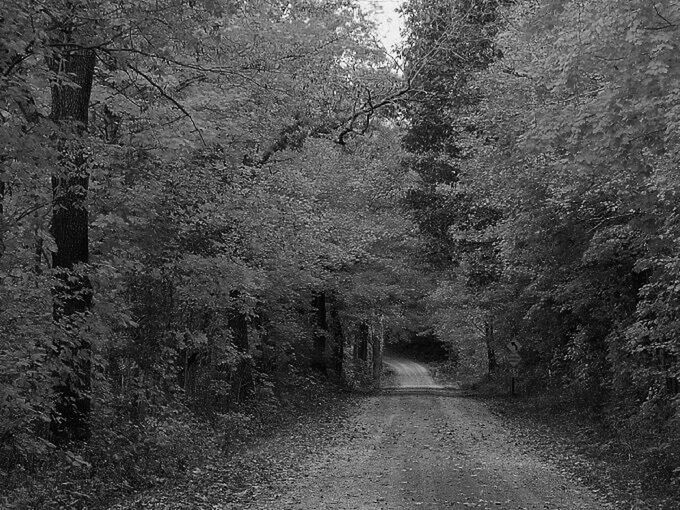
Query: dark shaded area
point(425, 348)
point(69, 227)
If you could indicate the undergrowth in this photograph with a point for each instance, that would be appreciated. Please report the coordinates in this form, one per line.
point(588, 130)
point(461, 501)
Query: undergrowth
point(124, 456)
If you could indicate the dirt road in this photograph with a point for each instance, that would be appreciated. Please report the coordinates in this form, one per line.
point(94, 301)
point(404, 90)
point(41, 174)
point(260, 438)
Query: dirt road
point(429, 452)
point(396, 451)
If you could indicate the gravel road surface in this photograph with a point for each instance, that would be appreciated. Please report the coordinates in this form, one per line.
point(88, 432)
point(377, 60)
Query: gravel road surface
point(428, 452)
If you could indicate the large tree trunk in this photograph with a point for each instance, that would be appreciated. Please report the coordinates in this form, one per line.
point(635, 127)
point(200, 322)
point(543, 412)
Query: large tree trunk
point(73, 291)
point(362, 342)
point(3, 224)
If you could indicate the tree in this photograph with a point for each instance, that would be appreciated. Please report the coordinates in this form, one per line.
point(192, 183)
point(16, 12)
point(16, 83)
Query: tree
point(162, 126)
point(576, 176)
point(446, 45)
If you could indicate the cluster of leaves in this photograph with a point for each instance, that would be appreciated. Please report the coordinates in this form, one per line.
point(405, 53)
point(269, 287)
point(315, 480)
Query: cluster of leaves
point(221, 189)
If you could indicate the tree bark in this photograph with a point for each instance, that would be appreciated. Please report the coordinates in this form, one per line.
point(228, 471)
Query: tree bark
point(362, 353)
point(3, 225)
point(73, 292)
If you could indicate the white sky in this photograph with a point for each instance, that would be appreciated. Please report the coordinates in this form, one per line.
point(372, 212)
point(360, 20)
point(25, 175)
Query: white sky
point(383, 12)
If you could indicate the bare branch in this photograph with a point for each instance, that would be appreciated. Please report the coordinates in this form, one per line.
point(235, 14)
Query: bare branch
point(28, 211)
point(367, 111)
point(167, 96)
point(656, 9)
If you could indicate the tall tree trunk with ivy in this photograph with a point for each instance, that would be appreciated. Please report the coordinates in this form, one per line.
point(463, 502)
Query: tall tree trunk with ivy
point(72, 292)
point(2, 217)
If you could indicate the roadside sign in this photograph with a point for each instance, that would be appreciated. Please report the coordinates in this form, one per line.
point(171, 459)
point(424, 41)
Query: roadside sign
point(514, 359)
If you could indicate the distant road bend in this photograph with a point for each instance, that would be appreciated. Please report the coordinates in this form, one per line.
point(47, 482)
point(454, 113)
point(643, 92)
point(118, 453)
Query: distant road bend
point(409, 374)
point(412, 378)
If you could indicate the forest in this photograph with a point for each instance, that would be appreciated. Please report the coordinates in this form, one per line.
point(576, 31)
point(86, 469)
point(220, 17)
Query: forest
point(216, 212)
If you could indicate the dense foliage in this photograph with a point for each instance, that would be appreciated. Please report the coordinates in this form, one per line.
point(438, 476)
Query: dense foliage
point(206, 207)
point(573, 145)
point(446, 44)
point(188, 223)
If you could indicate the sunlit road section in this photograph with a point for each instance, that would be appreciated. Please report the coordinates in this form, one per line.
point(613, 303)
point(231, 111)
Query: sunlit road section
point(409, 374)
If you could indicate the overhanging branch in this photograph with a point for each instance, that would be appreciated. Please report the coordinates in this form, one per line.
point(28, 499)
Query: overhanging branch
point(172, 100)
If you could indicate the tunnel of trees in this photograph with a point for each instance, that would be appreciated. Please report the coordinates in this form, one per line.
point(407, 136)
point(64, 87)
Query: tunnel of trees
point(207, 207)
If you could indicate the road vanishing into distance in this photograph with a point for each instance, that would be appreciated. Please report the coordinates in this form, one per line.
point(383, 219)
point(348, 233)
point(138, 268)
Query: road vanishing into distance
point(418, 451)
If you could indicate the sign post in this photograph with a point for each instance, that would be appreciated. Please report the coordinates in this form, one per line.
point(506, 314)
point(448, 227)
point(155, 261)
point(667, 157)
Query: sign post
point(514, 359)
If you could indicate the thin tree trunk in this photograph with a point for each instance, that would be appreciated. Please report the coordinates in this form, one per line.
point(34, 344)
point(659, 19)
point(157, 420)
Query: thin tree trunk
point(490, 347)
point(238, 323)
point(73, 291)
point(321, 329)
point(377, 352)
point(338, 339)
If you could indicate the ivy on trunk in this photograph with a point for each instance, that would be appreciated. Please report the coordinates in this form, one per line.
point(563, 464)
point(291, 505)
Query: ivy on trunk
point(72, 291)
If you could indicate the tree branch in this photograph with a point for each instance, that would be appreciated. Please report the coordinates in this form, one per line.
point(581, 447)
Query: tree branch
point(656, 9)
point(367, 111)
point(171, 99)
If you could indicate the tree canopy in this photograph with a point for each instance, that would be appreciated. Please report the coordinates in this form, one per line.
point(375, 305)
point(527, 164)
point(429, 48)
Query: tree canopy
point(205, 205)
